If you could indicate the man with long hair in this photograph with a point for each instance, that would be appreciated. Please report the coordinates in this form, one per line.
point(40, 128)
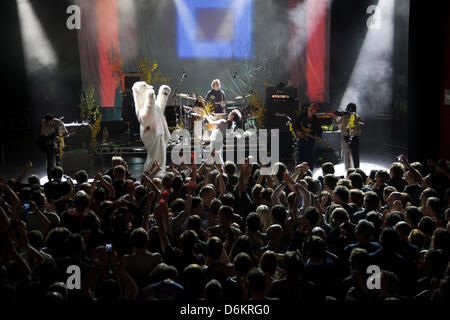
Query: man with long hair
point(215, 96)
point(349, 124)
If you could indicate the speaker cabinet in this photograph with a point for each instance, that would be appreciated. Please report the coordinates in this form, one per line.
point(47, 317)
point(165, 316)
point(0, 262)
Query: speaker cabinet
point(276, 112)
point(82, 137)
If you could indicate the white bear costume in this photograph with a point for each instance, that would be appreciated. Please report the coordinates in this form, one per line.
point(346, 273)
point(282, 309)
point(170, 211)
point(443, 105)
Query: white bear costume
point(150, 112)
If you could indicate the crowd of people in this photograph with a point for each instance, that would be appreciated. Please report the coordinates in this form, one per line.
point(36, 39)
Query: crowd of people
point(228, 233)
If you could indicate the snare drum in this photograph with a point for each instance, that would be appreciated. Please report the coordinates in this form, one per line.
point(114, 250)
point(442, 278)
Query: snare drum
point(196, 116)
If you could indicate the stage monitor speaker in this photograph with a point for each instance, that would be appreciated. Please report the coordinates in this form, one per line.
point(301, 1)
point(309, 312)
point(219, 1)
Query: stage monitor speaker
point(129, 78)
point(333, 138)
point(82, 137)
point(326, 155)
point(332, 153)
point(75, 160)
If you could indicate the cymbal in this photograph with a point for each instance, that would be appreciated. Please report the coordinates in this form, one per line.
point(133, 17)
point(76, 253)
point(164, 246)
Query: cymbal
point(225, 102)
point(243, 97)
point(185, 96)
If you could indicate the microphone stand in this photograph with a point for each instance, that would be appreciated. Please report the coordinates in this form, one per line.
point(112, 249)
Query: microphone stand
point(180, 81)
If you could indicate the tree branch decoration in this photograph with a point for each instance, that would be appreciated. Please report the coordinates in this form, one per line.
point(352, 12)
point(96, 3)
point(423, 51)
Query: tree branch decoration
point(90, 113)
point(151, 72)
point(257, 110)
point(115, 61)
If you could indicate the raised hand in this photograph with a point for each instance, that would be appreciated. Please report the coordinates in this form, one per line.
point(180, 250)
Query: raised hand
point(190, 187)
point(287, 178)
point(304, 167)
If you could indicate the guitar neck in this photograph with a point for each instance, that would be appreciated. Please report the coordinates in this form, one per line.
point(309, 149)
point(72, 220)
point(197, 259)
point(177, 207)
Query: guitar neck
point(318, 139)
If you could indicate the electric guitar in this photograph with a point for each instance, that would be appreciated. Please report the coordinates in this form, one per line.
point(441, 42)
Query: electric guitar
point(306, 134)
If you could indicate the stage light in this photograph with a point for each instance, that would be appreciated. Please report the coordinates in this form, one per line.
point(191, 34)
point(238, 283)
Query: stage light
point(38, 51)
point(370, 84)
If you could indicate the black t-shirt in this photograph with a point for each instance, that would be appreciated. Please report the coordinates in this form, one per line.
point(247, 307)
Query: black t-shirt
point(303, 123)
point(216, 96)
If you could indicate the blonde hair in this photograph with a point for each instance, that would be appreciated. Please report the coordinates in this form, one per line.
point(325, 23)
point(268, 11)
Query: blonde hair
point(215, 81)
point(263, 212)
point(116, 160)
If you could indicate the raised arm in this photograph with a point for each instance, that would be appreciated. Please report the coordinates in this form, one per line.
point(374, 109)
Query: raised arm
point(148, 208)
point(45, 222)
point(160, 215)
point(163, 96)
point(306, 195)
point(222, 187)
point(276, 193)
point(27, 168)
point(415, 172)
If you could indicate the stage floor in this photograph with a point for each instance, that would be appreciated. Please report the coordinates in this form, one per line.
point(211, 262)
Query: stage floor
point(19, 149)
point(12, 169)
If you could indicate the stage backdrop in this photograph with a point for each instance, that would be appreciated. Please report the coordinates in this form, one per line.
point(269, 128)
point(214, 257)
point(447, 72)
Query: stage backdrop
point(247, 44)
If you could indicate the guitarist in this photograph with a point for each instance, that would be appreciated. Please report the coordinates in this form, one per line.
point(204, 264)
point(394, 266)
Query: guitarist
point(216, 95)
point(308, 124)
point(50, 128)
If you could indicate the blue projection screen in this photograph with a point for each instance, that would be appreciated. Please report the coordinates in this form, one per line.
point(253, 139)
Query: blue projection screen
point(214, 29)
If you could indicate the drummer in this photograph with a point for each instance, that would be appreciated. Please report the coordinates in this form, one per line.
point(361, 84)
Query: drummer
point(232, 123)
point(216, 94)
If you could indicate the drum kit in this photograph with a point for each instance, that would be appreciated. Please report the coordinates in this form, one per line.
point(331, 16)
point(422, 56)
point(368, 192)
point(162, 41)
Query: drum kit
point(193, 110)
